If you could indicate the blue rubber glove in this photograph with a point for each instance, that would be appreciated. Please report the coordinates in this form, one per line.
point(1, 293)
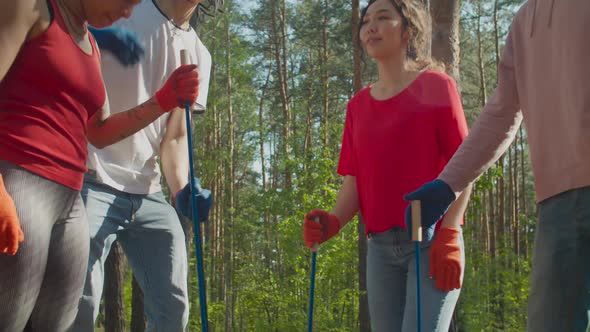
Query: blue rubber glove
point(121, 42)
point(183, 201)
point(435, 197)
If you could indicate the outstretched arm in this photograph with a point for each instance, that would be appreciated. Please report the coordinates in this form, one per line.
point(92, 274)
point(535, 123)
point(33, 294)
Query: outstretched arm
point(493, 131)
point(105, 128)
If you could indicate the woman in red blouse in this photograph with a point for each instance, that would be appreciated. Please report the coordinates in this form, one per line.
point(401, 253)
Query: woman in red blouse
point(399, 132)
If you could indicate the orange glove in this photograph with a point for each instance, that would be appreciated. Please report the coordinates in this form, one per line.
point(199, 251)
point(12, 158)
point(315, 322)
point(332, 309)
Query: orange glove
point(10, 232)
point(445, 259)
point(182, 86)
point(319, 232)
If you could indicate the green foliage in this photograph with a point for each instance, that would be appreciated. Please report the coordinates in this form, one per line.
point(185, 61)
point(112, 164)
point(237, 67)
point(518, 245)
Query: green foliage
point(262, 245)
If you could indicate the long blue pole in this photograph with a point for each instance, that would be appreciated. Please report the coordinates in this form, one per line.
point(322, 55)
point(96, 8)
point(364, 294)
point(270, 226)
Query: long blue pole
point(418, 299)
point(311, 292)
point(196, 226)
point(417, 238)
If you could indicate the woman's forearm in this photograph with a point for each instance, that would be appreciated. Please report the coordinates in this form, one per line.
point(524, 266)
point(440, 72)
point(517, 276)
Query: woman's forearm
point(347, 203)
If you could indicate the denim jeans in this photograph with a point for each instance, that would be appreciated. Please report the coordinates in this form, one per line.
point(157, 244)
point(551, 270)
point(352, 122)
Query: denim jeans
point(151, 236)
point(560, 280)
point(391, 285)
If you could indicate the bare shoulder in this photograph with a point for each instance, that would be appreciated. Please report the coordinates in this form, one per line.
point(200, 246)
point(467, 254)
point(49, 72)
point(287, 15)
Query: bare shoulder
point(17, 19)
point(42, 18)
point(22, 14)
point(21, 10)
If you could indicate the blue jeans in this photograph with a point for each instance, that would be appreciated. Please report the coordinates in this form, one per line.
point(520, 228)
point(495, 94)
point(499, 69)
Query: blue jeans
point(560, 280)
point(151, 236)
point(391, 285)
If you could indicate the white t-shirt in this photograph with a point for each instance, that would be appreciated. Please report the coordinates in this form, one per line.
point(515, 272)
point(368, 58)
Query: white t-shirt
point(132, 165)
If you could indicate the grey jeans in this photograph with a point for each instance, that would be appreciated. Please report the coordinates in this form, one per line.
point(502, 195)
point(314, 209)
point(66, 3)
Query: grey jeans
point(560, 280)
point(391, 285)
point(44, 280)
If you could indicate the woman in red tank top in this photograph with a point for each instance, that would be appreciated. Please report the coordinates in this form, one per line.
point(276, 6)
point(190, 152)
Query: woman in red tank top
point(52, 102)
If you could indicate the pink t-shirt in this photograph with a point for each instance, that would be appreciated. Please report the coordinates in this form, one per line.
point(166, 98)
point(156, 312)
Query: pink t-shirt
point(543, 79)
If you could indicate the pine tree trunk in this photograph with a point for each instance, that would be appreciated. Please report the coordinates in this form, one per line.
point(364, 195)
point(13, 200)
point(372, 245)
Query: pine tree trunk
point(137, 312)
point(113, 290)
point(324, 77)
point(229, 294)
point(444, 44)
point(363, 315)
point(445, 33)
point(279, 49)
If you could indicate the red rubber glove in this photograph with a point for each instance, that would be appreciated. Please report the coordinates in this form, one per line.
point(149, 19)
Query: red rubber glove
point(319, 232)
point(181, 86)
point(445, 259)
point(10, 232)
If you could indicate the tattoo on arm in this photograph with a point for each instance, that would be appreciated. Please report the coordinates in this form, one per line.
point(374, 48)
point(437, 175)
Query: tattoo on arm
point(134, 113)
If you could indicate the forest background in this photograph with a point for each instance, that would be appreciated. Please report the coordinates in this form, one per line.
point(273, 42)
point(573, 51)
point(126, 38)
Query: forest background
point(268, 147)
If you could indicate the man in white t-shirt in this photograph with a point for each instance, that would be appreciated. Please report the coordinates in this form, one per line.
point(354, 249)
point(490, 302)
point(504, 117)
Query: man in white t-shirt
point(122, 190)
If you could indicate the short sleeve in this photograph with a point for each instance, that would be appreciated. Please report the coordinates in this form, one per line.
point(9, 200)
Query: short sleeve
point(204, 70)
point(346, 165)
point(452, 128)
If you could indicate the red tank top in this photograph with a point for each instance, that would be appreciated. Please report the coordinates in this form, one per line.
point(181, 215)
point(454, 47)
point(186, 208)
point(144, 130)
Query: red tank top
point(46, 98)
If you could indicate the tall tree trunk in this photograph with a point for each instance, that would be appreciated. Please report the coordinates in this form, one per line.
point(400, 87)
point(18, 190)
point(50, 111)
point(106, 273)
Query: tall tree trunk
point(524, 247)
point(429, 31)
point(216, 270)
point(113, 290)
point(229, 261)
point(515, 205)
point(363, 315)
point(137, 312)
point(444, 22)
point(262, 133)
point(279, 48)
point(483, 97)
point(324, 76)
point(445, 34)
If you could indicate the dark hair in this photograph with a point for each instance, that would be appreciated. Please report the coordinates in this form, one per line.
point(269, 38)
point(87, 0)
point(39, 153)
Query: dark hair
point(207, 8)
point(415, 20)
